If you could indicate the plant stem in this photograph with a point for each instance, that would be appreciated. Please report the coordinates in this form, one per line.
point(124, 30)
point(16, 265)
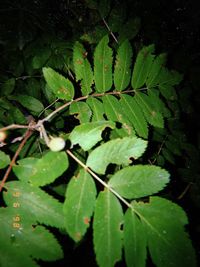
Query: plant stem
point(98, 178)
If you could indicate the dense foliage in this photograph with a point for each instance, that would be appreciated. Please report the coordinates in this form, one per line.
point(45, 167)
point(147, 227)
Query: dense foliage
point(103, 132)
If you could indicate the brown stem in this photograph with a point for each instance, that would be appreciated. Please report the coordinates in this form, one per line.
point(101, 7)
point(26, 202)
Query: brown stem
point(26, 136)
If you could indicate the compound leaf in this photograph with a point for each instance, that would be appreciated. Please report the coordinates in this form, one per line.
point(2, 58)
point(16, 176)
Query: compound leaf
point(79, 204)
point(117, 151)
point(108, 217)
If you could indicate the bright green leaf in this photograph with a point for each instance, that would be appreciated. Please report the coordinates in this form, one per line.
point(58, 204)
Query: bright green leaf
point(122, 72)
point(150, 110)
point(168, 243)
point(88, 134)
point(97, 108)
point(61, 86)
point(82, 68)
point(139, 181)
point(4, 160)
point(134, 115)
point(108, 218)
point(79, 204)
point(82, 109)
point(103, 66)
point(19, 246)
point(118, 151)
point(44, 170)
point(134, 240)
point(142, 66)
point(34, 204)
point(114, 112)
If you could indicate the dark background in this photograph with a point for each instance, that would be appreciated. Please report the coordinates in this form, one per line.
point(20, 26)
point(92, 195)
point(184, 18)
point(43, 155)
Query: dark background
point(173, 26)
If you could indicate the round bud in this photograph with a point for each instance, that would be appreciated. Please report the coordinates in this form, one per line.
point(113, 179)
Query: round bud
point(56, 144)
point(3, 136)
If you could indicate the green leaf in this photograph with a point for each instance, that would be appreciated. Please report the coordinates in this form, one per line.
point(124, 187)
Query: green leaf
point(60, 86)
point(79, 204)
point(88, 134)
point(29, 102)
point(168, 243)
point(103, 8)
point(103, 66)
point(118, 151)
point(21, 242)
point(134, 240)
point(134, 115)
point(129, 30)
point(97, 109)
point(33, 204)
point(122, 72)
point(38, 171)
point(142, 66)
point(41, 58)
point(108, 217)
point(167, 79)
point(4, 160)
point(82, 109)
point(157, 65)
point(149, 108)
point(8, 87)
point(82, 68)
point(139, 181)
point(114, 112)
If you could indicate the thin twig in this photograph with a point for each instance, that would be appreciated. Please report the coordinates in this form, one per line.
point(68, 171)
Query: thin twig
point(185, 191)
point(112, 34)
point(17, 126)
point(86, 168)
point(26, 136)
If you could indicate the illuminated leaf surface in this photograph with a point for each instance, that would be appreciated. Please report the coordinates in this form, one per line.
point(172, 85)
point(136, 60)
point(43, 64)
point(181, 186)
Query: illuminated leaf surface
point(118, 151)
point(103, 66)
point(44, 170)
point(61, 86)
point(134, 240)
point(88, 134)
point(4, 160)
point(79, 204)
point(108, 217)
point(139, 181)
point(168, 243)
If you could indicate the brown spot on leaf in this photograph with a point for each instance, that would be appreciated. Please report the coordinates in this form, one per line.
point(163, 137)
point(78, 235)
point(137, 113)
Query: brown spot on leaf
point(77, 236)
point(86, 220)
point(79, 61)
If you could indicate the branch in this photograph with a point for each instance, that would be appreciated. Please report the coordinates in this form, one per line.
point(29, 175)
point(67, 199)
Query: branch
point(26, 136)
point(86, 168)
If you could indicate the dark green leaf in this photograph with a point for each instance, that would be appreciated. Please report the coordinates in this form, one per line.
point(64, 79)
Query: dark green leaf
point(108, 218)
point(79, 204)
